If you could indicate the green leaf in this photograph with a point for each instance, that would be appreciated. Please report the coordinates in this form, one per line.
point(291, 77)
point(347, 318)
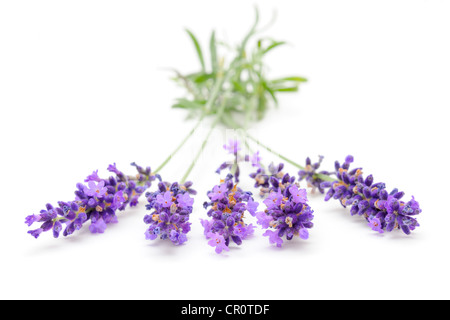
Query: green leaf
point(213, 49)
point(198, 49)
point(238, 86)
point(199, 77)
point(183, 103)
point(285, 89)
point(273, 45)
point(249, 34)
point(294, 79)
point(270, 92)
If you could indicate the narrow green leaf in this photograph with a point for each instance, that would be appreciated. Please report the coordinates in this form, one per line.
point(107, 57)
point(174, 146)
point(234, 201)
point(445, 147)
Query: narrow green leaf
point(294, 79)
point(273, 45)
point(271, 92)
point(188, 104)
point(286, 89)
point(249, 34)
point(199, 77)
point(238, 86)
point(198, 49)
point(213, 49)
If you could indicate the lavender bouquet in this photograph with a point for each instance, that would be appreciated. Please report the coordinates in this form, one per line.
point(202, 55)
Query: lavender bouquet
point(232, 91)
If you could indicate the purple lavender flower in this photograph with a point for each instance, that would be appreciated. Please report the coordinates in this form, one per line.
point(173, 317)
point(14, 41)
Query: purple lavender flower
point(32, 219)
point(264, 219)
point(177, 237)
point(274, 199)
point(298, 195)
point(164, 199)
point(252, 206)
point(184, 200)
point(217, 241)
point(95, 189)
point(263, 179)
point(218, 192)
point(255, 160)
point(97, 202)
point(93, 177)
point(375, 224)
point(36, 233)
point(171, 206)
point(206, 224)
point(384, 211)
point(99, 226)
point(118, 200)
point(274, 238)
point(227, 215)
point(287, 212)
point(233, 146)
point(310, 174)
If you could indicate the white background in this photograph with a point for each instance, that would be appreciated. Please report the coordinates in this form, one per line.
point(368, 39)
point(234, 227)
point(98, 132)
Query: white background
point(86, 83)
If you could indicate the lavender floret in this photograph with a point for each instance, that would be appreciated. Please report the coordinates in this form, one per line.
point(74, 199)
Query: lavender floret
point(383, 210)
point(309, 174)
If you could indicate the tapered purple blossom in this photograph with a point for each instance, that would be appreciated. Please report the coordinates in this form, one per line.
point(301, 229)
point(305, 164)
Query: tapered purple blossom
point(164, 199)
point(312, 176)
point(119, 199)
point(384, 211)
point(99, 226)
point(287, 213)
point(171, 206)
point(274, 199)
point(97, 202)
point(264, 219)
point(93, 177)
point(95, 189)
point(376, 225)
point(218, 192)
point(226, 213)
point(233, 146)
point(298, 195)
point(255, 160)
point(217, 241)
point(274, 238)
point(184, 200)
point(263, 177)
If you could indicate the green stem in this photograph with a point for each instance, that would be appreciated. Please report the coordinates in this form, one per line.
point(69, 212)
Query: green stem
point(216, 121)
point(191, 166)
point(215, 91)
point(219, 115)
point(230, 122)
point(318, 175)
point(180, 145)
point(274, 152)
point(207, 108)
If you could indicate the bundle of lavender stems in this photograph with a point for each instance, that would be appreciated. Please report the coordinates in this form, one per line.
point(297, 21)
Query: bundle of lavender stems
point(231, 95)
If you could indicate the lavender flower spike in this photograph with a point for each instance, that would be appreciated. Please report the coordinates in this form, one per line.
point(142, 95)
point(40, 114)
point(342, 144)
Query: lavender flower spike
point(309, 173)
point(228, 203)
point(384, 211)
point(171, 206)
point(97, 202)
point(287, 213)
